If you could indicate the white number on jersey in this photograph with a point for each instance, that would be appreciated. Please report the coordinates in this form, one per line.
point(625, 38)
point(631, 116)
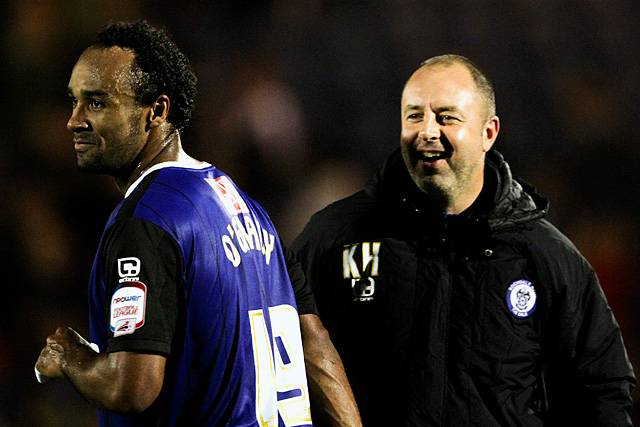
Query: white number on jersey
point(281, 382)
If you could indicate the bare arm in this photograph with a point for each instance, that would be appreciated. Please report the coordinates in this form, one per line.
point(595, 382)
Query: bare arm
point(120, 381)
point(331, 396)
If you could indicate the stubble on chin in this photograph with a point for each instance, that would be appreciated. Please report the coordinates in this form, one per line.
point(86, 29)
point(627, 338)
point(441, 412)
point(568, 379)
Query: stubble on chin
point(93, 165)
point(87, 165)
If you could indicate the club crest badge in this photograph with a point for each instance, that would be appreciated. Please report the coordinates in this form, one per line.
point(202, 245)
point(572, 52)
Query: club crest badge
point(521, 298)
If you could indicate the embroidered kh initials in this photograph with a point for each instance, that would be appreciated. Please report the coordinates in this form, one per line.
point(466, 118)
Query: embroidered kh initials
point(361, 274)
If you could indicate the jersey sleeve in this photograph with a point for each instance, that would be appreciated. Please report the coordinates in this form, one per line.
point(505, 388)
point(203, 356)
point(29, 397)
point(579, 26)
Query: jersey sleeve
point(142, 265)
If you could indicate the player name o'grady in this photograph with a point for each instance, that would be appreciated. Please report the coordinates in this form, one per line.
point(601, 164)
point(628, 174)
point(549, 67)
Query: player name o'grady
point(248, 236)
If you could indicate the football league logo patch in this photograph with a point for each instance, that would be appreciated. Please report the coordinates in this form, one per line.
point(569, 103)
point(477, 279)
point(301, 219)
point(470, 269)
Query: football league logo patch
point(521, 298)
point(127, 308)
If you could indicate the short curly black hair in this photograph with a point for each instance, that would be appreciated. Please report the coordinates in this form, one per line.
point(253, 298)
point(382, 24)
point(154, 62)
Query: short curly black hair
point(159, 67)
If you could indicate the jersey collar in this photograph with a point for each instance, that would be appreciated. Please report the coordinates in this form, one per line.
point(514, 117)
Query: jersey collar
point(172, 164)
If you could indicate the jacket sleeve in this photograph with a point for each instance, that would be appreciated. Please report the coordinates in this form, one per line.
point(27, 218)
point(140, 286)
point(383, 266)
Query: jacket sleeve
point(592, 378)
point(308, 250)
point(304, 295)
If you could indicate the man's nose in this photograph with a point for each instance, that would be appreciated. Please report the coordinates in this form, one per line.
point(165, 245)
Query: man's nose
point(78, 121)
point(430, 129)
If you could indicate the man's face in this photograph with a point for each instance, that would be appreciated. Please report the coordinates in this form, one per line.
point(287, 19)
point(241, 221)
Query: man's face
point(107, 125)
point(446, 133)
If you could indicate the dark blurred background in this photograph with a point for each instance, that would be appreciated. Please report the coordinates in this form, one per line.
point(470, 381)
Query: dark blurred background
point(299, 102)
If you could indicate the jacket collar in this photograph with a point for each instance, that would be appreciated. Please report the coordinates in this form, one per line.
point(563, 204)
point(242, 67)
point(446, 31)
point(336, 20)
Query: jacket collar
point(504, 201)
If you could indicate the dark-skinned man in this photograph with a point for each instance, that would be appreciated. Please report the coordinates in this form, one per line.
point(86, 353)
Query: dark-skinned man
point(192, 310)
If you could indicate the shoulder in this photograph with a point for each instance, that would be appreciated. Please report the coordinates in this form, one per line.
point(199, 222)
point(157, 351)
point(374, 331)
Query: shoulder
point(180, 201)
point(176, 185)
point(170, 192)
point(336, 219)
point(344, 212)
point(558, 253)
point(547, 236)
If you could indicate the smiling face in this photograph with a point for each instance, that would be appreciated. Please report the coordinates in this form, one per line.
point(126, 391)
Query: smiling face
point(446, 133)
point(108, 126)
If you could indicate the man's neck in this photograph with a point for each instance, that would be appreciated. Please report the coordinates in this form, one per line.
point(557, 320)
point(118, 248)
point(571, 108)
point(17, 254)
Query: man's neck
point(483, 202)
point(444, 203)
point(461, 204)
point(167, 148)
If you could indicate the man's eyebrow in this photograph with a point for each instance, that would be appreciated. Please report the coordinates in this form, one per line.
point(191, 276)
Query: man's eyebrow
point(412, 107)
point(89, 93)
point(451, 108)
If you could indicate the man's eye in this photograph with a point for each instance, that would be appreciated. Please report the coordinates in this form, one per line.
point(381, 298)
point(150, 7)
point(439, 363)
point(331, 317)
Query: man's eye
point(445, 118)
point(95, 104)
point(74, 102)
point(414, 116)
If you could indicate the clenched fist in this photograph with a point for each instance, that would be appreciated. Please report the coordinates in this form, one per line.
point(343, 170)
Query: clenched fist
point(63, 347)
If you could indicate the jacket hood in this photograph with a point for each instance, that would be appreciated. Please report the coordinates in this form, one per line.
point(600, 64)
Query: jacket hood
point(514, 201)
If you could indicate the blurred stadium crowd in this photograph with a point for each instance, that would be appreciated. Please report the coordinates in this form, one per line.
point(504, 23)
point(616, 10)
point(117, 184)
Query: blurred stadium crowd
point(299, 102)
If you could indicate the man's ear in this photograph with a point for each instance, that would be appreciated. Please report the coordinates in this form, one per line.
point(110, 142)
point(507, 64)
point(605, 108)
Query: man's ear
point(159, 111)
point(490, 133)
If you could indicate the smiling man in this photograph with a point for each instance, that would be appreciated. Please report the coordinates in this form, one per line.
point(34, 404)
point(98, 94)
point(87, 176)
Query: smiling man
point(448, 124)
point(193, 316)
point(449, 296)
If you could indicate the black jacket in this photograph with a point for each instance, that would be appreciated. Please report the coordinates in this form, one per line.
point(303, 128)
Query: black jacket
point(487, 318)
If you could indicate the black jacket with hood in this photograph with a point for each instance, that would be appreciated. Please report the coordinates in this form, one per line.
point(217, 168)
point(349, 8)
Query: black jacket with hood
point(488, 318)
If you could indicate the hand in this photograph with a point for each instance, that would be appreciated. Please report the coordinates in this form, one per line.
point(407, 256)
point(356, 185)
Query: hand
point(49, 363)
point(63, 346)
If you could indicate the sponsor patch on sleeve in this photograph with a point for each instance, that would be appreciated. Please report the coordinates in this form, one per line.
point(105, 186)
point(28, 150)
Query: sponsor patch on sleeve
point(127, 308)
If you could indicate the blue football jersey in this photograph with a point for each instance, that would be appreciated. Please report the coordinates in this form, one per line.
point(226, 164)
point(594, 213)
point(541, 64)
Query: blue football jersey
point(190, 267)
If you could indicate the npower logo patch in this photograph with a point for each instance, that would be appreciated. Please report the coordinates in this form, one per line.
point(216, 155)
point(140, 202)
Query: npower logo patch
point(127, 310)
point(360, 266)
